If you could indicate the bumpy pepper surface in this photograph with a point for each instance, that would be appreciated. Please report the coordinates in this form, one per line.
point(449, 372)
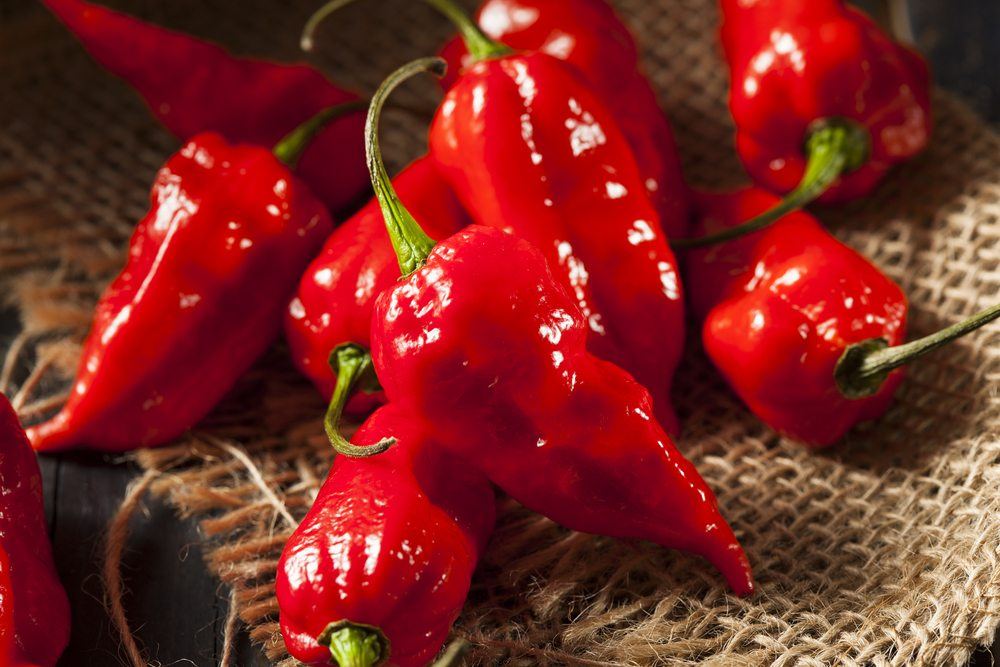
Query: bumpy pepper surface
point(194, 86)
point(34, 611)
point(780, 306)
point(380, 567)
point(805, 330)
point(820, 77)
point(334, 301)
point(528, 148)
point(590, 35)
point(210, 270)
point(482, 341)
point(486, 345)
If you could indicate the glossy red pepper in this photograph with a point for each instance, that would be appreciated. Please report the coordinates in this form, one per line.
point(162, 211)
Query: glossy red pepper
point(210, 270)
point(804, 329)
point(590, 35)
point(380, 568)
point(194, 86)
point(528, 148)
point(34, 611)
point(334, 300)
point(483, 342)
point(825, 103)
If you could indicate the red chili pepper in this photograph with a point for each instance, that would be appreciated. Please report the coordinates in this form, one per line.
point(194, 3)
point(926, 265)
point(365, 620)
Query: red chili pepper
point(591, 36)
point(825, 103)
point(334, 301)
point(528, 148)
point(194, 86)
point(804, 329)
point(380, 567)
point(481, 340)
point(210, 269)
point(34, 611)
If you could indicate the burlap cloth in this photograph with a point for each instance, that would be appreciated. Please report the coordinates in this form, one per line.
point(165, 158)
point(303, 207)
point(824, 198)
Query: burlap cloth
point(883, 550)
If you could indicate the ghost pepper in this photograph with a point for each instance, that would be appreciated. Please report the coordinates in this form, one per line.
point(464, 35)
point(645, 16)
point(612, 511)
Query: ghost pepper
point(804, 329)
point(194, 86)
point(482, 341)
point(528, 147)
point(824, 102)
point(34, 611)
point(210, 269)
point(381, 565)
point(569, 184)
point(590, 35)
point(334, 300)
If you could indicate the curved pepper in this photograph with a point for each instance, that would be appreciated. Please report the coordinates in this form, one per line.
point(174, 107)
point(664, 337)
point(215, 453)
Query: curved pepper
point(210, 270)
point(528, 148)
point(34, 611)
point(824, 102)
point(194, 86)
point(495, 358)
point(482, 341)
point(380, 567)
point(804, 329)
point(334, 300)
point(590, 35)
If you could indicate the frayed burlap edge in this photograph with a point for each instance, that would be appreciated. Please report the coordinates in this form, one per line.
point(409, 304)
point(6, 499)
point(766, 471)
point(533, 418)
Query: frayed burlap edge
point(884, 550)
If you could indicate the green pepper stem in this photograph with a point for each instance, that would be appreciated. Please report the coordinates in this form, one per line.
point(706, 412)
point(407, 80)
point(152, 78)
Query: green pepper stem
point(864, 366)
point(452, 656)
point(355, 644)
point(352, 364)
point(291, 147)
point(833, 147)
point(410, 242)
point(480, 46)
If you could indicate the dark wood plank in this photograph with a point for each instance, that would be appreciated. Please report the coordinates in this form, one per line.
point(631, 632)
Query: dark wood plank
point(50, 484)
point(248, 655)
point(172, 603)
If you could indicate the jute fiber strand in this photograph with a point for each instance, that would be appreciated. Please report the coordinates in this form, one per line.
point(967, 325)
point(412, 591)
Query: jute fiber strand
point(884, 550)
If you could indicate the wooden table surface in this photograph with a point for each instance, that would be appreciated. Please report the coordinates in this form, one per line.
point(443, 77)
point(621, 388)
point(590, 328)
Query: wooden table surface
point(176, 607)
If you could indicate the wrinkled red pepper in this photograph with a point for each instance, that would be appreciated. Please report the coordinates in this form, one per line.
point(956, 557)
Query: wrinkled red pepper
point(483, 342)
point(195, 86)
point(210, 269)
point(591, 36)
point(495, 358)
point(804, 329)
point(334, 300)
point(825, 103)
point(34, 611)
point(528, 148)
point(380, 568)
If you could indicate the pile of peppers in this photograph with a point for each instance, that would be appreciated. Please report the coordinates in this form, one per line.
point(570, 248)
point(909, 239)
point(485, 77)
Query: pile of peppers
point(506, 313)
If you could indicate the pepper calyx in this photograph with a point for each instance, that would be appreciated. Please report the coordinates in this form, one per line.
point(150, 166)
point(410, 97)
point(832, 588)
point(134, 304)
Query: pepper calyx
point(850, 374)
point(355, 644)
point(848, 138)
point(864, 366)
point(833, 146)
point(291, 147)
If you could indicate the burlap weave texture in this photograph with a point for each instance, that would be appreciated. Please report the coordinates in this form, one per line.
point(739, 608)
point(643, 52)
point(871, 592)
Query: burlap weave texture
point(883, 550)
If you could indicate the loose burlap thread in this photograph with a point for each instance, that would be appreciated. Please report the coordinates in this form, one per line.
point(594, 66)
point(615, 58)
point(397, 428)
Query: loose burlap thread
point(884, 550)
